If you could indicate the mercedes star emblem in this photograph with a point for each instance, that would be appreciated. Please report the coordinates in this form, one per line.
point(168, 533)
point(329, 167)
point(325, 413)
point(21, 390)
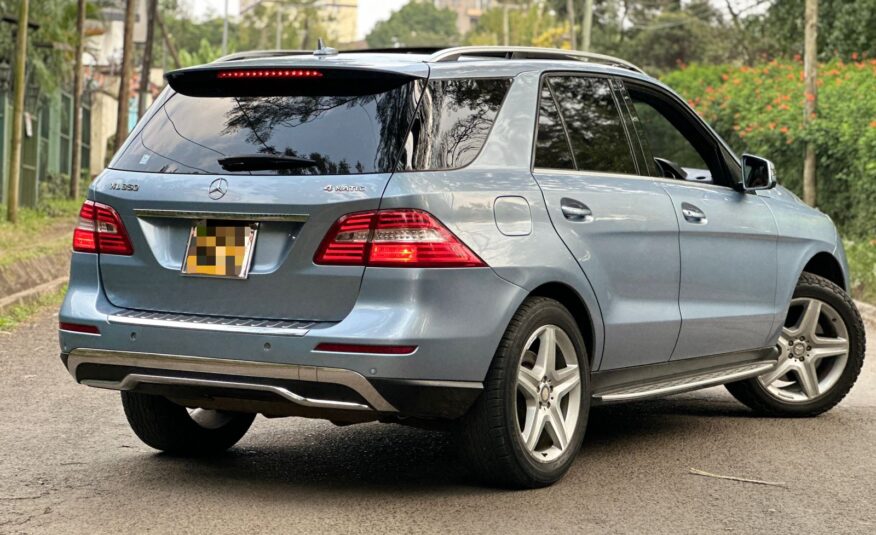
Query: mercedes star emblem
point(218, 189)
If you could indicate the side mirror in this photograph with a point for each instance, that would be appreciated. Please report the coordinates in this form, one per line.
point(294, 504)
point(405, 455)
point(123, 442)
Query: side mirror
point(757, 173)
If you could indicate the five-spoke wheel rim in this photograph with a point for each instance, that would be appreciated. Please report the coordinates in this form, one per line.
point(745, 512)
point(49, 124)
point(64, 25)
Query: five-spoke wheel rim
point(814, 347)
point(548, 397)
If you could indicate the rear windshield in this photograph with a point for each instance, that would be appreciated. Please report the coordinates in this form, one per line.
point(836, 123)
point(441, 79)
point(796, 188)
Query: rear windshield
point(341, 135)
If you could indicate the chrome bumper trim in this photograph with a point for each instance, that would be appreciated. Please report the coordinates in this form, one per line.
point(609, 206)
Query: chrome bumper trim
point(242, 368)
point(211, 323)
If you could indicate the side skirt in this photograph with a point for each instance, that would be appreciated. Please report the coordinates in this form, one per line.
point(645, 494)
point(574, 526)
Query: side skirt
point(674, 377)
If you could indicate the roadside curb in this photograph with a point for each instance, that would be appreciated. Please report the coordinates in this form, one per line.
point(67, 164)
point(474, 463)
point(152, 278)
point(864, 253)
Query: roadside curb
point(25, 281)
point(31, 294)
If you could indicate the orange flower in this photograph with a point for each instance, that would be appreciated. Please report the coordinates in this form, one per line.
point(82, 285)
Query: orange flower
point(855, 56)
point(810, 97)
point(769, 107)
point(872, 124)
point(783, 129)
point(772, 126)
point(725, 76)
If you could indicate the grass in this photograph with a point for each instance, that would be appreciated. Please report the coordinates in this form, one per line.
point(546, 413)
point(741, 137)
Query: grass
point(18, 314)
point(862, 265)
point(39, 231)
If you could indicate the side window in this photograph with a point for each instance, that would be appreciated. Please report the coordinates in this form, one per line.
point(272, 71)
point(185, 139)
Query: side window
point(673, 142)
point(599, 141)
point(453, 121)
point(552, 149)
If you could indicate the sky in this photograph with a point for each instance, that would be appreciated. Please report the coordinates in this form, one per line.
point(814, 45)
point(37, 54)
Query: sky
point(370, 11)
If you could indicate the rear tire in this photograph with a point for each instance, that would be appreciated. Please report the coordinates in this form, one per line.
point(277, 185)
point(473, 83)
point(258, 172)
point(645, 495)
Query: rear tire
point(806, 382)
point(172, 428)
point(526, 428)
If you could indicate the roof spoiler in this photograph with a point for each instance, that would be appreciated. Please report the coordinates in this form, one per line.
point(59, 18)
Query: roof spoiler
point(227, 80)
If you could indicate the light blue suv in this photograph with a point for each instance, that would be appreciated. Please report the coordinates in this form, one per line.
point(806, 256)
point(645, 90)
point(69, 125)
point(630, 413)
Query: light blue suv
point(485, 239)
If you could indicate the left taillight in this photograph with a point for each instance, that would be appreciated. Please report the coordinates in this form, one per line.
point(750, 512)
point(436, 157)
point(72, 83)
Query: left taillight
point(394, 238)
point(100, 230)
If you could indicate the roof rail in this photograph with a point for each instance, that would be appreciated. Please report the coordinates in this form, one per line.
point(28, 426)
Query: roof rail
point(395, 50)
point(529, 52)
point(250, 54)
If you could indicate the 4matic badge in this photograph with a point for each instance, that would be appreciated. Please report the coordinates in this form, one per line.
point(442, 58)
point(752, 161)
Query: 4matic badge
point(343, 188)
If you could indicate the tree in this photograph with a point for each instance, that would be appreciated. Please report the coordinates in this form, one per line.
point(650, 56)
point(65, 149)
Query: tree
point(844, 28)
point(415, 24)
point(125, 74)
point(532, 26)
point(17, 112)
point(76, 164)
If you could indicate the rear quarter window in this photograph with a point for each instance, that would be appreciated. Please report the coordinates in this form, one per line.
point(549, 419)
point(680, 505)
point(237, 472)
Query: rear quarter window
point(453, 121)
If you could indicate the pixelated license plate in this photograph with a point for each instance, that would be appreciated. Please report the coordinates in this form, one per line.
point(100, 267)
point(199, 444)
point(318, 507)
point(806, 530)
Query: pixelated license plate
point(220, 249)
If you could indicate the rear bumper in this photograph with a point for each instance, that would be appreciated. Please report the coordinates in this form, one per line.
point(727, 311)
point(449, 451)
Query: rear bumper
point(287, 388)
point(455, 318)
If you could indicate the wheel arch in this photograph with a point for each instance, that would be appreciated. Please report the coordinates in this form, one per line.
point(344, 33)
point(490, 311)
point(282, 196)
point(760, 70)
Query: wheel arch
point(826, 265)
point(572, 300)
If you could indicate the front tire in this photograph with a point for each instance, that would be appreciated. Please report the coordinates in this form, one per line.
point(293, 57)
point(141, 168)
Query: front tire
point(822, 352)
point(527, 427)
point(172, 428)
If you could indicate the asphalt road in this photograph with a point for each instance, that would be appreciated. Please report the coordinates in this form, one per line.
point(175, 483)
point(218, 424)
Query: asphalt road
point(69, 464)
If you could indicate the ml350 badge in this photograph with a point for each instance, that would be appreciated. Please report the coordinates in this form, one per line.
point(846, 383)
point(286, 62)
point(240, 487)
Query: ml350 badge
point(220, 249)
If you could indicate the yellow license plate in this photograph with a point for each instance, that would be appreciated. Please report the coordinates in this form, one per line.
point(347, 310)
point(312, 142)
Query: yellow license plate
point(220, 249)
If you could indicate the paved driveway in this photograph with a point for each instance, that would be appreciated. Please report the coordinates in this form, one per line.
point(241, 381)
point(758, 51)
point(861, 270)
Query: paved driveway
point(69, 464)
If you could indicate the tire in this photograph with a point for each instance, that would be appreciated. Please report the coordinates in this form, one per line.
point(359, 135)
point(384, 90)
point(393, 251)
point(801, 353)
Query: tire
point(493, 431)
point(166, 426)
point(834, 376)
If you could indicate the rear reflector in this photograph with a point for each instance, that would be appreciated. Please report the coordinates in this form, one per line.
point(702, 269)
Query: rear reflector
point(258, 74)
point(78, 328)
point(394, 238)
point(359, 348)
point(100, 230)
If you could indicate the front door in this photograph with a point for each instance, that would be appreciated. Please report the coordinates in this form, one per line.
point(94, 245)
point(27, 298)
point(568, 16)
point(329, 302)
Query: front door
point(727, 239)
point(620, 226)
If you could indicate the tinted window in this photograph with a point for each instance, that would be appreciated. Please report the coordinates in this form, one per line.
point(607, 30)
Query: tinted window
point(593, 122)
point(664, 140)
point(671, 131)
point(453, 121)
point(552, 150)
point(341, 134)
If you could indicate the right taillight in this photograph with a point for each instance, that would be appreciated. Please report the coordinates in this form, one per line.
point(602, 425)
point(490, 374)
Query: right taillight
point(394, 238)
point(100, 230)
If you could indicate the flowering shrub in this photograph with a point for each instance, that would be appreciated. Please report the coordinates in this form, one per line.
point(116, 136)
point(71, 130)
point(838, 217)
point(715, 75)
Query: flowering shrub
point(760, 110)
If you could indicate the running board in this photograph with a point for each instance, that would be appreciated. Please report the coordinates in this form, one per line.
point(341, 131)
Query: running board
point(686, 382)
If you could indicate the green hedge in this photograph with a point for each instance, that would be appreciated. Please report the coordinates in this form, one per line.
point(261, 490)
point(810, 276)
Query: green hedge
point(760, 110)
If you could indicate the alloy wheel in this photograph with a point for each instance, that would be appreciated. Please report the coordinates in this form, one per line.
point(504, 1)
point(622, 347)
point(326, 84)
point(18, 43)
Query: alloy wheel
point(548, 397)
point(814, 347)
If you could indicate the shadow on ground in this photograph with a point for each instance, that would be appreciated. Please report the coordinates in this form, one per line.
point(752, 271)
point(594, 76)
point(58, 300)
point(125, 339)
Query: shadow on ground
point(380, 456)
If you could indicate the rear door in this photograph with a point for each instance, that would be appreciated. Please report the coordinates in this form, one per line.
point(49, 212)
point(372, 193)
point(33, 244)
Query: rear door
point(728, 239)
point(313, 148)
point(620, 226)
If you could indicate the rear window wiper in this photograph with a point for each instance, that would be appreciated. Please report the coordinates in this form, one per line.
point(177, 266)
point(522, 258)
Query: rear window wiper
point(264, 162)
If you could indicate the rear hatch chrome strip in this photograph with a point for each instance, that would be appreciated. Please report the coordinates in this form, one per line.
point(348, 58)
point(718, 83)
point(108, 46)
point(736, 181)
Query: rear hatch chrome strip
point(224, 216)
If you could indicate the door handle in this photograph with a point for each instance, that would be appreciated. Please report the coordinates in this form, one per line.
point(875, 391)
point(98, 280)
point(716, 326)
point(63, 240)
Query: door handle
point(576, 210)
point(692, 213)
